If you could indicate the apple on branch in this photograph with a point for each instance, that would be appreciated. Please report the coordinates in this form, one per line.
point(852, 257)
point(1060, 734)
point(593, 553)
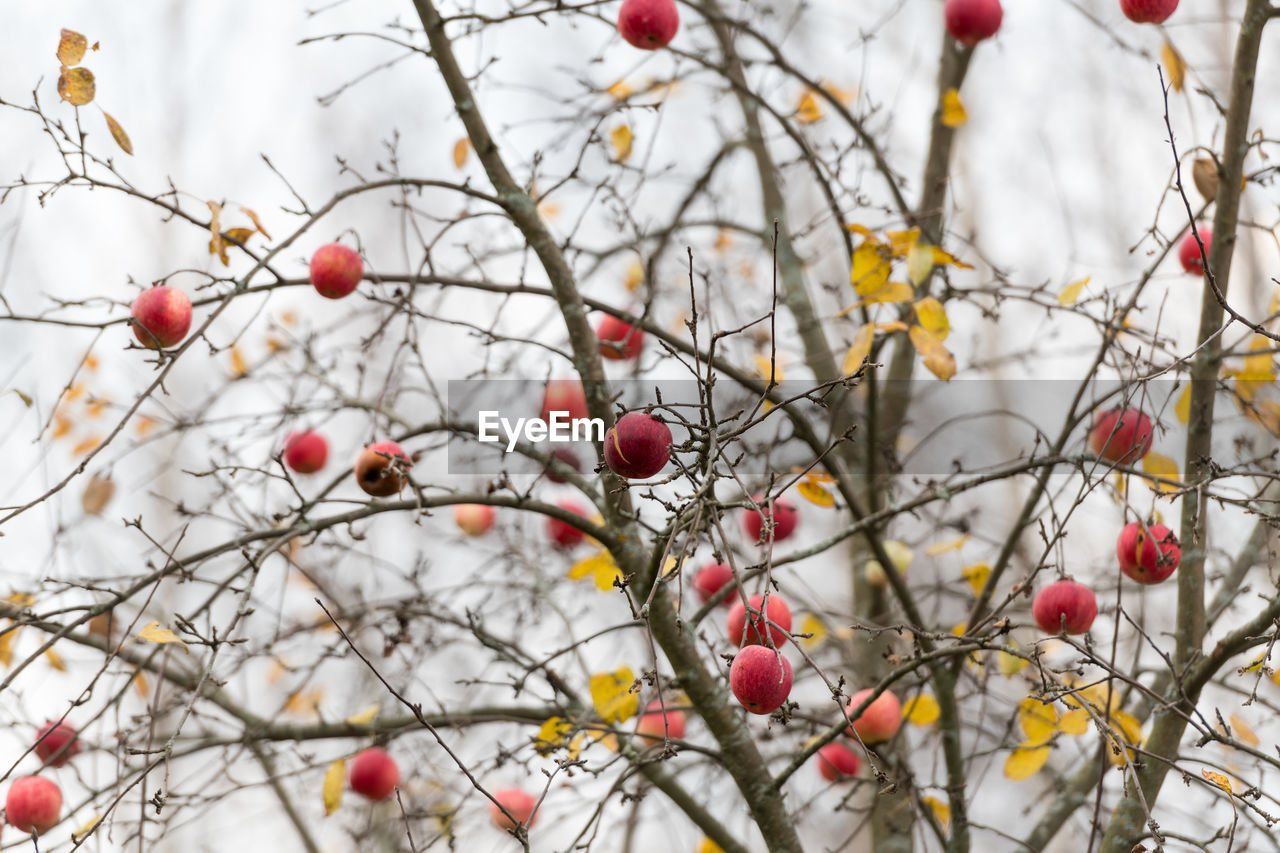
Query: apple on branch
point(161, 317)
point(335, 271)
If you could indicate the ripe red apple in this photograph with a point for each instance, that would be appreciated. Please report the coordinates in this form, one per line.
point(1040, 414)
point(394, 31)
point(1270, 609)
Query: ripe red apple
point(33, 804)
point(838, 763)
point(566, 396)
point(651, 726)
point(565, 536)
point(518, 803)
point(566, 457)
point(381, 469)
point(760, 679)
point(161, 317)
point(1150, 555)
point(711, 579)
point(1121, 435)
point(56, 744)
point(473, 519)
point(374, 774)
point(784, 517)
point(1064, 605)
point(879, 721)
point(306, 452)
point(777, 614)
point(648, 24)
point(637, 446)
point(1189, 249)
point(619, 340)
point(1148, 11)
point(971, 21)
point(335, 271)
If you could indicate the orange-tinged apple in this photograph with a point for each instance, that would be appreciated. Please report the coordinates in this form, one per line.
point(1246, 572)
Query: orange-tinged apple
point(382, 469)
point(33, 804)
point(879, 721)
point(519, 804)
point(474, 519)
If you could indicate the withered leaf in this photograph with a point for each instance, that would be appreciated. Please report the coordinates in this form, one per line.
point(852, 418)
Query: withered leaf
point(71, 47)
point(76, 86)
point(118, 134)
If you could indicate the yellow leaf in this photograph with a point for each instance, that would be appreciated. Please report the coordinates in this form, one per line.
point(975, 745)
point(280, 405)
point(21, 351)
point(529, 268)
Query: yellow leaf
point(815, 627)
point(815, 494)
point(946, 259)
point(461, 150)
point(71, 47)
point(1217, 779)
point(1161, 466)
point(1039, 721)
point(894, 291)
point(1183, 407)
point(1242, 730)
point(634, 278)
point(709, 846)
point(1071, 293)
point(620, 90)
point(895, 326)
point(976, 575)
point(1025, 762)
point(140, 684)
point(933, 317)
point(807, 110)
point(363, 718)
point(1074, 722)
point(921, 710)
point(919, 263)
point(87, 827)
point(941, 811)
point(859, 350)
point(937, 358)
point(144, 425)
point(85, 445)
point(953, 113)
point(938, 548)
point(257, 223)
point(902, 242)
point(611, 695)
point(766, 369)
point(1174, 64)
point(76, 86)
point(620, 138)
point(1010, 664)
point(118, 134)
point(240, 235)
point(551, 735)
point(335, 782)
point(55, 660)
point(870, 267)
point(153, 633)
point(6, 644)
point(600, 567)
point(1125, 731)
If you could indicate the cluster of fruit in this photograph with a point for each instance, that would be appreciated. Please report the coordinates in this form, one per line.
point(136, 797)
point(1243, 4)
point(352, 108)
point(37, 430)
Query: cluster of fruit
point(34, 803)
point(972, 21)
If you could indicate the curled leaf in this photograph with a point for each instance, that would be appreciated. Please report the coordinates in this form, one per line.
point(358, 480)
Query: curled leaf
point(118, 134)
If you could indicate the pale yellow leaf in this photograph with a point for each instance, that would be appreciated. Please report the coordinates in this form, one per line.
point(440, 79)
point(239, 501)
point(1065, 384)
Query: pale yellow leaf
point(1074, 722)
point(953, 112)
point(919, 263)
point(921, 710)
point(620, 139)
point(6, 644)
point(84, 445)
point(870, 267)
point(1174, 64)
point(1025, 762)
point(55, 660)
point(85, 829)
point(257, 223)
point(153, 633)
point(1242, 730)
point(938, 548)
point(893, 291)
point(611, 695)
point(620, 90)
point(859, 350)
point(118, 134)
point(937, 358)
point(976, 575)
point(335, 782)
point(932, 316)
point(1010, 664)
point(1157, 465)
point(140, 684)
point(1071, 293)
point(813, 626)
point(1182, 409)
point(76, 86)
point(363, 718)
point(217, 246)
point(766, 369)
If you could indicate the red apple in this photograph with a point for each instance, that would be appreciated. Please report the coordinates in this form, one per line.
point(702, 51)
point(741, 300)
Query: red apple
point(33, 804)
point(1148, 11)
point(1189, 249)
point(777, 614)
point(161, 317)
point(382, 469)
point(971, 21)
point(648, 24)
point(1150, 555)
point(566, 457)
point(1121, 435)
point(652, 727)
point(784, 517)
point(637, 446)
point(473, 519)
point(565, 396)
point(711, 579)
point(374, 774)
point(335, 271)
point(1064, 606)
point(879, 721)
point(565, 536)
point(619, 340)
point(306, 452)
point(760, 678)
point(56, 744)
point(838, 763)
point(518, 803)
